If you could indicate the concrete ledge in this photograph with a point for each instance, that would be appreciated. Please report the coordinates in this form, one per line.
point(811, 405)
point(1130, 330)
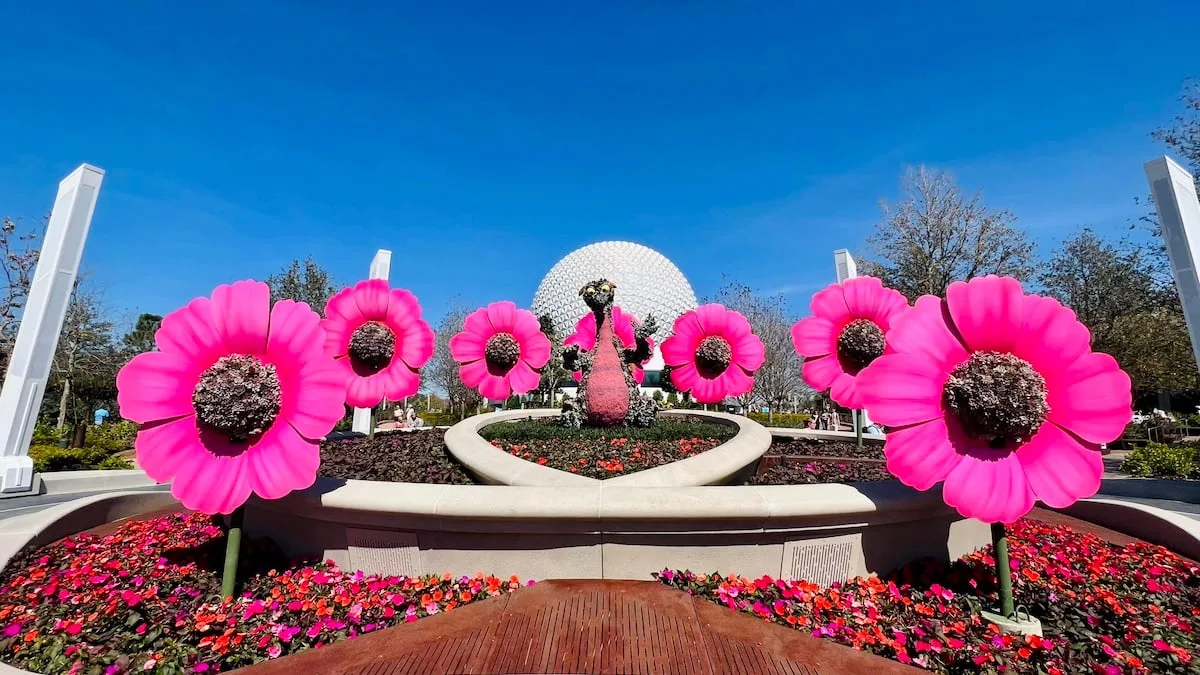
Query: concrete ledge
point(714, 467)
point(826, 532)
point(67, 482)
point(1152, 488)
point(1170, 530)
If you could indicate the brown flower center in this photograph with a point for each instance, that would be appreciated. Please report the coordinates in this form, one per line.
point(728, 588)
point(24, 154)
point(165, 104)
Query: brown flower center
point(373, 345)
point(502, 351)
point(238, 397)
point(860, 343)
point(997, 397)
point(713, 356)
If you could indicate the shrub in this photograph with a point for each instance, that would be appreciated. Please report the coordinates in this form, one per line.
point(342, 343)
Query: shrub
point(1158, 460)
point(114, 463)
point(46, 434)
point(111, 438)
point(48, 458)
point(794, 421)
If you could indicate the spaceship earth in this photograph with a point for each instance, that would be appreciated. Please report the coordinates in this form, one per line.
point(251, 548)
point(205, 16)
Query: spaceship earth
point(647, 284)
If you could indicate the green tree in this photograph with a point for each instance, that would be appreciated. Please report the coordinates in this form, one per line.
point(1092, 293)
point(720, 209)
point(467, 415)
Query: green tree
point(936, 234)
point(442, 370)
point(141, 338)
point(305, 282)
point(1118, 289)
point(554, 374)
point(85, 355)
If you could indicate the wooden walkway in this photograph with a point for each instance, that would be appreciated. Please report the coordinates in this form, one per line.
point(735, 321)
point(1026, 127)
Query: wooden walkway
point(627, 627)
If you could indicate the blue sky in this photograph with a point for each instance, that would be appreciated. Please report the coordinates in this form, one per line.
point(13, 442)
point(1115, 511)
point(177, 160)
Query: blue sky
point(482, 141)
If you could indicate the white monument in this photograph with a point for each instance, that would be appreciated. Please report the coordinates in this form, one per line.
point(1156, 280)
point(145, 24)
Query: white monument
point(845, 268)
point(41, 321)
point(381, 268)
point(1174, 193)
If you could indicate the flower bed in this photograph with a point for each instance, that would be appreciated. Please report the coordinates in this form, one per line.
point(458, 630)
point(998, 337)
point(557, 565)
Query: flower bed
point(809, 447)
point(399, 457)
point(1104, 609)
point(809, 472)
point(604, 453)
point(142, 599)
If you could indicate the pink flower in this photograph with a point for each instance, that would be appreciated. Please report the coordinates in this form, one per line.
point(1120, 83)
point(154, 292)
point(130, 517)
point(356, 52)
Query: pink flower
point(501, 350)
point(236, 399)
point(585, 337)
point(845, 334)
point(999, 395)
point(713, 354)
point(379, 341)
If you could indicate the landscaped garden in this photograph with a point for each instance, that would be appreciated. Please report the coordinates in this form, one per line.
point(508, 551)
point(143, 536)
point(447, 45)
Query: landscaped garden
point(1104, 609)
point(398, 457)
point(145, 597)
point(103, 447)
point(604, 453)
point(1159, 460)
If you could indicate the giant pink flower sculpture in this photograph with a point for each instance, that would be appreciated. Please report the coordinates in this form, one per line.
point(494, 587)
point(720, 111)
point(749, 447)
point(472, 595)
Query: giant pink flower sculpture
point(585, 338)
point(501, 351)
point(236, 399)
point(713, 354)
point(378, 339)
point(845, 334)
point(999, 395)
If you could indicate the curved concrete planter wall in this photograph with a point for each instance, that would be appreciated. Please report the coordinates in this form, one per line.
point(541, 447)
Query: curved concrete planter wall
point(820, 532)
point(496, 467)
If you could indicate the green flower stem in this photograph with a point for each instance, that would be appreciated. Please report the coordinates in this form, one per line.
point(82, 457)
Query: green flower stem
point(371, 426)
point(233, 546)
point(1003, 569)
point(858, 425)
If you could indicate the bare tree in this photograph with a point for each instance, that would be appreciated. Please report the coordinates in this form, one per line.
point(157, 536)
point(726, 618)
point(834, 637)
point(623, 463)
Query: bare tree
point(442, 371)
point(85, 347)
point(19, 249)
point(554, 373)
point(936, 235)
point(779, 380)
point(1183, 136)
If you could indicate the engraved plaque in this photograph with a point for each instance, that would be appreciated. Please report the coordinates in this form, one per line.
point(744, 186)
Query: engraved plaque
point(822, 561)
point(383, 552)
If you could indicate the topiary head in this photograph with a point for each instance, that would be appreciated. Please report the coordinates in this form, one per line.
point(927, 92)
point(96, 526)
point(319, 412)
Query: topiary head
point(598, 294)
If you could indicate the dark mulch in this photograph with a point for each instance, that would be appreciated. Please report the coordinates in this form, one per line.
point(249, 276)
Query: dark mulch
point(819, 448)
point(604, 453)
point(822, 471)
point(398, 457)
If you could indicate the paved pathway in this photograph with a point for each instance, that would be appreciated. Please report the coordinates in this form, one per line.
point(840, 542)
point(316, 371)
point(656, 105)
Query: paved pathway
point(1182, 508)
point(629, 627)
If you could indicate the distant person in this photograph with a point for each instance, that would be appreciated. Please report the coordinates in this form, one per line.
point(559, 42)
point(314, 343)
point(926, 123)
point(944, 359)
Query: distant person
point(101, 415)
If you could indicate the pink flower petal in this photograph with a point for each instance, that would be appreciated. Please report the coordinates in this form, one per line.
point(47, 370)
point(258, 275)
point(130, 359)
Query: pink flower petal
point(282, 461)
point(921, 456)
point(712, 318)
point(1091, 397)
point(523, 379)
point(416, 344)
point(577, 376)
point(988, 312)
point(535, 350)
point(639, 375)
point(735, 382)
point(477, 323)
point(502, 315)
point(991, 490)
point(157, 386)
point(189, 331)
point(585, 333)
point(314, 397)
point(399, 382)
point(467, 346)
point(495, 388)
point(686, 337)
point(684, 377)
point(342, 306)
point(923, 333)
point(372, 297)
point(706, 390)
point(473, 374)
point(899, 390)
point(163, 447)
point(866, 298)
point(525, 325)
point(844, 392)
point(294, 333)
point(748, 351)
point(814, 336)
point(241, 316)
point(1060, 469)
point(821, 373)
point(402, 307)
point(830, 304)
point(361, 392)
point(623, 327)
point(212, 483)
point(1051, 336)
